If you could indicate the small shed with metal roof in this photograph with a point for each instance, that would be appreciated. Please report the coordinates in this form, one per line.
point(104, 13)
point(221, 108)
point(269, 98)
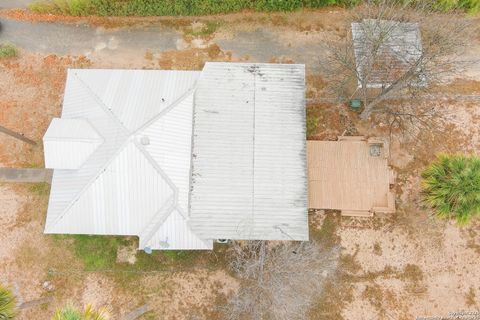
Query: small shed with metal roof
point(385, 50)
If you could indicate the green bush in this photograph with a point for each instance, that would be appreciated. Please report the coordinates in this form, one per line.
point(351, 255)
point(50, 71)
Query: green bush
point(470, 6)
point(173, 7)
point(204, 7)
point(451, 187)
point(65, 7)
point(8, 304)
point(8, 50)
point(69, 312)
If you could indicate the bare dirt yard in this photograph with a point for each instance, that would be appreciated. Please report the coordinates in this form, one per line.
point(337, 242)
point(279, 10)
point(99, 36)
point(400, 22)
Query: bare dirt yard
point(396, 266)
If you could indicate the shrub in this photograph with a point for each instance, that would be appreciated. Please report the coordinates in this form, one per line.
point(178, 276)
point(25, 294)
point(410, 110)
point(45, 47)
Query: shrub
point(65, 7)
point(173, 7)
point(451, 187)
point(69, 312)
point(8, 50)
point(204, 7)
point(470, 6)
point(8, 304)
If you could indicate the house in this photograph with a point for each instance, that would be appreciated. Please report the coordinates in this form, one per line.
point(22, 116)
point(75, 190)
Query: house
point(351, 175)
point(181, 158)
point(386, 50)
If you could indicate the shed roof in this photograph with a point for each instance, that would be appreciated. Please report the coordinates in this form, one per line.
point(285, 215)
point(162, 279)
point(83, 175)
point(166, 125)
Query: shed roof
point(385, 50)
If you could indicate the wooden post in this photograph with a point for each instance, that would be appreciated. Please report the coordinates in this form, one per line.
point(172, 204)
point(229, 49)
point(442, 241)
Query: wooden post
point(137, 313)
point(17, 136)
point(34, 303)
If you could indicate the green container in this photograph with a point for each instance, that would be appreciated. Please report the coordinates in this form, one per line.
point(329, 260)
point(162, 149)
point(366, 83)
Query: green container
point(355, 103)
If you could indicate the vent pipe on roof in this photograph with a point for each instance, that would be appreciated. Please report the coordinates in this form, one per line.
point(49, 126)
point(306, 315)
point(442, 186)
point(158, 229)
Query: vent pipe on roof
point(147, 250)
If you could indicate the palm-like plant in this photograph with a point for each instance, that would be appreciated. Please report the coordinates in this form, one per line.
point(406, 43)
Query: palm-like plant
point(69, 312)
point(8, 304)
point(451, 187)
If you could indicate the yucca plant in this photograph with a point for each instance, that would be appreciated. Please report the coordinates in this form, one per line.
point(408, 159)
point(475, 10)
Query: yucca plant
point(451, 187)
point(69, 312)
point(8, 304)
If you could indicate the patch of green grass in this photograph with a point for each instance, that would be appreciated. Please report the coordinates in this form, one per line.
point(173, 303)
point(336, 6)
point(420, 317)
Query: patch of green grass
point(470, 6)
point(327, 234)
point(40, 188)
point(8, 50)
point(64, 7)
point(174, 7)
point(209, 28)
point(99, 253)
point(312, 125)
point(205, 7)
point(177, 255)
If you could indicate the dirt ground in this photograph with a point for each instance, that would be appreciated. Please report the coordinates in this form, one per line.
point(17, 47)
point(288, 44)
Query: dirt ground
point(398, 266)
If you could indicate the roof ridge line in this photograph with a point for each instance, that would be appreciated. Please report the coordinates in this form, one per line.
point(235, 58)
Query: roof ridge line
point(187, 225)
point(166, 110)
point(130, 135)
point(170, 183)
point(85, 188)
point(102, 104)
point(143, 240)
point(106, 164)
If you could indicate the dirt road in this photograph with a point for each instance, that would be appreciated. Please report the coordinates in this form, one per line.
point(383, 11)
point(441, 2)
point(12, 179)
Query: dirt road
point(119, 44)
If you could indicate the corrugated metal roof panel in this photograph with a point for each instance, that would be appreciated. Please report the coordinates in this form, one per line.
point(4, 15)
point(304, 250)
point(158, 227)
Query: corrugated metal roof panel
point(72, 130)
point(123, 199)
point(400, 50)
point(249, 168)
point(68, 143)
point(67, 185)
point(149, 91)
point(174, 234)
point(169, 144)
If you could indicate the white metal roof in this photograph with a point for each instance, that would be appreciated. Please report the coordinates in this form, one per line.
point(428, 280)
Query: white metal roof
point(136, 181)
point(248, 163)
point(69, 142)
point(400, 50)
point(247, 179)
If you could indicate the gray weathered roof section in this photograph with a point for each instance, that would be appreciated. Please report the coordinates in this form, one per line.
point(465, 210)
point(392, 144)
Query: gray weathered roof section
point(249, 155)
point(400, 48)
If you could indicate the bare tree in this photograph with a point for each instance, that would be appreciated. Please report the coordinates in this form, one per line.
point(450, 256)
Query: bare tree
point(279, 280)
point(396, 50)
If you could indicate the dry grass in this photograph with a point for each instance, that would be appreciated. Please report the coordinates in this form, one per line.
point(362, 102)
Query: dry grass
point(311, 20)
point(460, 86)
point(470, 297)
point(38, 84)
point(191, 59)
